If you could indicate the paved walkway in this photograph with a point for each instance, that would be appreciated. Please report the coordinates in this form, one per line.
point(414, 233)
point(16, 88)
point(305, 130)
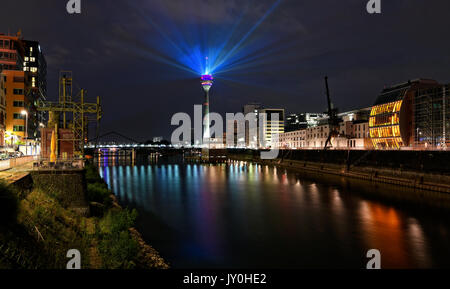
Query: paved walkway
point(16, 173)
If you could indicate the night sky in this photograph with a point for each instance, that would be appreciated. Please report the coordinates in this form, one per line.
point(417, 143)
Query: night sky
point(144, 57)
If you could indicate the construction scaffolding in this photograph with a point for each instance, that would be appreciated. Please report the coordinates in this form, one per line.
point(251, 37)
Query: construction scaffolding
point(432, 117)
point(76, 113)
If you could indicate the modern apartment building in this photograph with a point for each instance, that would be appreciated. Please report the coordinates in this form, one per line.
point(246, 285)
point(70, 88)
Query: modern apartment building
point(24, 79)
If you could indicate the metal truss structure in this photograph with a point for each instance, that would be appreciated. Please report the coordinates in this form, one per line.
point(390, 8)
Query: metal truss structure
point(76, 113)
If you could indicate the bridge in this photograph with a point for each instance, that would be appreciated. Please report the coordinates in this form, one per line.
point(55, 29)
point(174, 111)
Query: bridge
point(117, 146)
point(116, 140)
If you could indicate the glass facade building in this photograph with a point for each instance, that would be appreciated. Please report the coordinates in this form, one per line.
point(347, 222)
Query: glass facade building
point(432, 117)
point(392, 115)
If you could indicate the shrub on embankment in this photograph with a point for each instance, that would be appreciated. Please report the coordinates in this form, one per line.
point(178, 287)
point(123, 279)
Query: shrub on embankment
point(41, 235)
point(117, 248)
point(41, 230)
point(97, 189)
point(8, 205)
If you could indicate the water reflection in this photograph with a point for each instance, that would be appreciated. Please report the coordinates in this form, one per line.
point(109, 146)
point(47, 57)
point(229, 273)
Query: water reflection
point(242, 215)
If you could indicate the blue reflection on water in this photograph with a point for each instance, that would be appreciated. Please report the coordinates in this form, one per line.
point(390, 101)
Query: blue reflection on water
point(244, 215)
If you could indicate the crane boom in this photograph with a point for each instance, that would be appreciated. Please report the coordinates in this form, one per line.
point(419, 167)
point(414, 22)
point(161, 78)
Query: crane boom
point(333, 121)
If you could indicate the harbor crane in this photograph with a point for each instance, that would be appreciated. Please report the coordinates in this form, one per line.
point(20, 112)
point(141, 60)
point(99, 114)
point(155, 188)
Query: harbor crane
point(76, 113)
point(333, 120)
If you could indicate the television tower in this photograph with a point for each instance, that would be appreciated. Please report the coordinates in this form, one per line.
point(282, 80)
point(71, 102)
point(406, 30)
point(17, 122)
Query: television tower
point(207, 82)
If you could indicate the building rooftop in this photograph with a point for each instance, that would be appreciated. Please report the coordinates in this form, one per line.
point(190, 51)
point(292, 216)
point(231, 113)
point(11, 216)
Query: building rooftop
point(397, 91)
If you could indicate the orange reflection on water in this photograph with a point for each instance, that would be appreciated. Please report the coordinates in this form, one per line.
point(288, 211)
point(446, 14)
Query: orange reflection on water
point(383, 230)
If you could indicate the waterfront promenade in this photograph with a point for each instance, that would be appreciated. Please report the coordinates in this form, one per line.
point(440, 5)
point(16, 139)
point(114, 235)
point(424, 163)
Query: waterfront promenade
point(17, 172)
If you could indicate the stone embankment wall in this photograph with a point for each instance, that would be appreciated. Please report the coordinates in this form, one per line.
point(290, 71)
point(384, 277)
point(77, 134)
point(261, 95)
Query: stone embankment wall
point(424, 170)
point(68, 187)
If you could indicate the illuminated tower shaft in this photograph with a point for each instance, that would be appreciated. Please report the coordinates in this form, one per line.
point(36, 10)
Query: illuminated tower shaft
point(207, 81)
point(206, 133)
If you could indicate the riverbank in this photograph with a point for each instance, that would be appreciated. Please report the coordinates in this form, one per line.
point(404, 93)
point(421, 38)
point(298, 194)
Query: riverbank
point(38, 228)
point(316, 162)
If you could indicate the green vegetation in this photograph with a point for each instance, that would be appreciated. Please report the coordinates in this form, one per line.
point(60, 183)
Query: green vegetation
point(55, 228)
point(98, 192)
point(36, 231)
point(97, 189)
point(117, 248)
point(41, 233)
point(92, 175)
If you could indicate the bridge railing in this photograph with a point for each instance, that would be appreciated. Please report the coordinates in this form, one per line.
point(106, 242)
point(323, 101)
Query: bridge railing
point(122, 145)
point(14, 162)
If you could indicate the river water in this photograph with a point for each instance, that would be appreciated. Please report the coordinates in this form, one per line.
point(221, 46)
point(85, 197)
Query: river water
point(244, 215)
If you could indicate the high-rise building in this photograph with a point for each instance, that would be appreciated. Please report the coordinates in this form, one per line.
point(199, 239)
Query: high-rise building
point(11, 51)
point(272, 124)
point(35, 68)
point(16, 103)
point(298, 121)
point(24, 77)
point(251, 108)
point(251, 141)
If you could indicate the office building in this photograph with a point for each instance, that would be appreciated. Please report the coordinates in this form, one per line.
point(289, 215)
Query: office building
point(392, 115)
point(432, 117)
point(253, 141)
point(298, 121)
point(353, 133)
point(35, 68)
point(272, 125)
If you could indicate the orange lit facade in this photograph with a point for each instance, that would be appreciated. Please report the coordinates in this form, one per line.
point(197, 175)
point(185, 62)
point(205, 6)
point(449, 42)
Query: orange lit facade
point(392, 116)
point(384, 123)
point(13, 82)
point(15, 104)
point(2, 110)
point(23, 72)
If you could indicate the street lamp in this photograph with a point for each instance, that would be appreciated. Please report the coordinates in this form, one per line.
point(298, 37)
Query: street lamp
point(24, 112)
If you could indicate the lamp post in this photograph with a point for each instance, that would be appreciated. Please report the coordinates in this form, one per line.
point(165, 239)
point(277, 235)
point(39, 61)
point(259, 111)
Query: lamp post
point(24, 112)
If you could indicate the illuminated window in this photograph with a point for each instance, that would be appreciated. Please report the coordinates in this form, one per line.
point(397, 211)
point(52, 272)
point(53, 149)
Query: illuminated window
point(19, 128)
point(17, 91)
point(18, 116)
point(18, 103)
